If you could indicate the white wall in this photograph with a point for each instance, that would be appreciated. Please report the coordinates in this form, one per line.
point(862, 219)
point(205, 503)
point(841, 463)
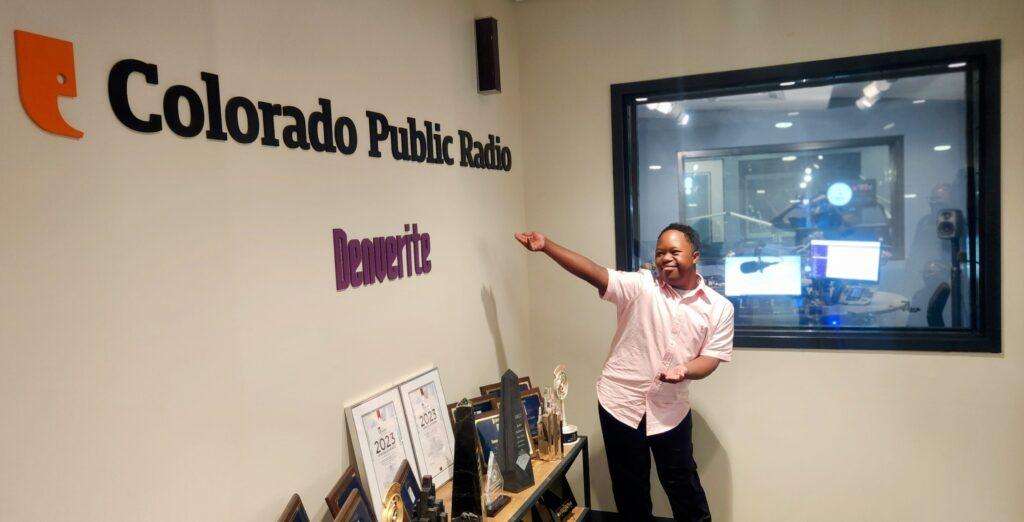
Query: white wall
point(779, 434)
point(172, 348)
point(171, 343)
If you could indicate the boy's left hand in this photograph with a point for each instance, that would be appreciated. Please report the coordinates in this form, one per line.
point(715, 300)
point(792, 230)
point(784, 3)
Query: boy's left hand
point(674, 374)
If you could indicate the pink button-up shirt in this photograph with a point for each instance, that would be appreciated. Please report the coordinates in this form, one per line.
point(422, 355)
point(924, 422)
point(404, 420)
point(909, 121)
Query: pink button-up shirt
point(659, 327)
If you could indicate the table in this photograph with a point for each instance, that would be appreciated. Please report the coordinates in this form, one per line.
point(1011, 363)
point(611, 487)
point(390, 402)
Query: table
point(544, 473)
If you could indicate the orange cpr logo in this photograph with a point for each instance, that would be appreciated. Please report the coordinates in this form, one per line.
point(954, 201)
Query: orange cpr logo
point(46, 71)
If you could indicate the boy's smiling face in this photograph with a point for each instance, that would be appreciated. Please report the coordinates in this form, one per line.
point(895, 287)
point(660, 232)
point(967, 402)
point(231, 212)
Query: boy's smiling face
point(674, 257)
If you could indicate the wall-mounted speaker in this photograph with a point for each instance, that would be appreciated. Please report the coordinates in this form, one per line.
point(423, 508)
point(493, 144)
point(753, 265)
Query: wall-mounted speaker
point(949, 224)
point(488, 68)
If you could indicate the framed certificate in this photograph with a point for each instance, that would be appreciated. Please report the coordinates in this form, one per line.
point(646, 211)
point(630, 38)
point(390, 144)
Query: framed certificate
point(494, 390)
point(354, 510)
point(342, 491)
point(432, 438)
point(410, 489)
point(488, 429)
point(481, 404)
point(532, 404)
point(294, 511)
point(381, 439)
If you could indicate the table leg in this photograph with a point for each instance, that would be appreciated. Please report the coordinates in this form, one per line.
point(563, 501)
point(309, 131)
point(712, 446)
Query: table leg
point(586, 472)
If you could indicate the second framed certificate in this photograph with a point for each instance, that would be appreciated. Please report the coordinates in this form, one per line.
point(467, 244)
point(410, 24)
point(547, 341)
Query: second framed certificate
point(431, 433)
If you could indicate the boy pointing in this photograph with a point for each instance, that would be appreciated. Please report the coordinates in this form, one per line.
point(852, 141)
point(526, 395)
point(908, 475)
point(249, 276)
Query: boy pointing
point(671, 329)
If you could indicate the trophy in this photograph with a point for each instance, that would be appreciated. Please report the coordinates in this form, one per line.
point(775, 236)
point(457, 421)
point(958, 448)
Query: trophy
point(428, 508)
point(514, 444)
point(561, 386)
point(394, 508)
point(466, 475)
point(549, 429)
point(493, 499)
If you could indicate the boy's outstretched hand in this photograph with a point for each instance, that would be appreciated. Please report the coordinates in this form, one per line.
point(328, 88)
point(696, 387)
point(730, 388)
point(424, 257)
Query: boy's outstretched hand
point(674, 374)
point(533, 241)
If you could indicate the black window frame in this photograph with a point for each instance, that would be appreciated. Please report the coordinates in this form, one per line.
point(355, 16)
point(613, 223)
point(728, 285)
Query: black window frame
point(983, 203)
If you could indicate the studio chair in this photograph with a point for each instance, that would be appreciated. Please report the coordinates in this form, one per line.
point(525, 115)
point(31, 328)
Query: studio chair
point(295, 512)
point(936, 304)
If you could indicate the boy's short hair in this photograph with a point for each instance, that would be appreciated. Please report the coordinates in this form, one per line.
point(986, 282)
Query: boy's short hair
point(691, 235)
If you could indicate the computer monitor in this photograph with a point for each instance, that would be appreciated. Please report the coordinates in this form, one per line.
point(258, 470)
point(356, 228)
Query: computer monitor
point(846, 260)
point(762, 275)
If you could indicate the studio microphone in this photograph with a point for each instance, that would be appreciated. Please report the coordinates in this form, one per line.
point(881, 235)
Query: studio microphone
point(750, 267)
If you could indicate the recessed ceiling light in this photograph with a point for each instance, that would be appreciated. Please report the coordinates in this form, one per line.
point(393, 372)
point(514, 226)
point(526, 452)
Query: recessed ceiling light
point(641, 100)
point(816, 166)
point(664, 107)
point(783, 125)
point(942, 148)
point(789, 158)
point(957, 65)
point(654, 167)
point(807, 178)
point(821, 157)
point(888, 126)
point(794, 113)
point(696, 167)
point(919, 102)
point(803, 184)
point(787, 84)
point(909, 196)
point(871, 90)
point(762, 191)
point(808, 171)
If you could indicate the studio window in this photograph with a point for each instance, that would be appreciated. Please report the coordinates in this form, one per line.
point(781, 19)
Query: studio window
point(848, 203)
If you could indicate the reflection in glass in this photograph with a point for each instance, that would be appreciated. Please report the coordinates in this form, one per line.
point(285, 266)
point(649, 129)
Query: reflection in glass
point(820, 206)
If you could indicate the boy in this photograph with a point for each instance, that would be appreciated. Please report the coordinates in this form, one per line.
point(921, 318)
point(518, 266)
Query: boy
point(671, 330)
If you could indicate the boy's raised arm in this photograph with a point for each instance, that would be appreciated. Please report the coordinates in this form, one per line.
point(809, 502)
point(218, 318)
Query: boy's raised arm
point(578, 265)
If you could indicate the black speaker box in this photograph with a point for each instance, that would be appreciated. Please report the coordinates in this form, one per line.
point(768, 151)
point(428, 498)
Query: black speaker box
point(950, 224)
point(488, 68)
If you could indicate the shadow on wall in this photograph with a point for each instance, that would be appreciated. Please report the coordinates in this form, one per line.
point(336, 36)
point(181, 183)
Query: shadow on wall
point(491, 311)
point(714, 468)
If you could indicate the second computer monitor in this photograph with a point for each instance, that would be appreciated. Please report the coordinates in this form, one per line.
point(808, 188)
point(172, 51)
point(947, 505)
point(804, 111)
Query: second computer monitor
point(846, 260)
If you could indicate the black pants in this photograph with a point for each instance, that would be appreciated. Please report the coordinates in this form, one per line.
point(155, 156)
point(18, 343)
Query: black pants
point(629, 462)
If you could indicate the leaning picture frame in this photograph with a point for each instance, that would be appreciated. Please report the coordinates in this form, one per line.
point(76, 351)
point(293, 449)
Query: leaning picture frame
point(294, 511)
point(354, 509)
point(342, 491)
point(494, 390)
point(433, 440)
point(488, 430)
point(533, 404)
point(381, 441)
point(482, 404)
point(408, 486)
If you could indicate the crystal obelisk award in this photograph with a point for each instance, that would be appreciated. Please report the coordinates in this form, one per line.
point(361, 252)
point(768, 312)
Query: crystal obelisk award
point(514, 441)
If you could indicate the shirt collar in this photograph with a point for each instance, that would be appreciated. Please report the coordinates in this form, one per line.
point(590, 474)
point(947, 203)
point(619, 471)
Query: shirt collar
point(698, 290)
